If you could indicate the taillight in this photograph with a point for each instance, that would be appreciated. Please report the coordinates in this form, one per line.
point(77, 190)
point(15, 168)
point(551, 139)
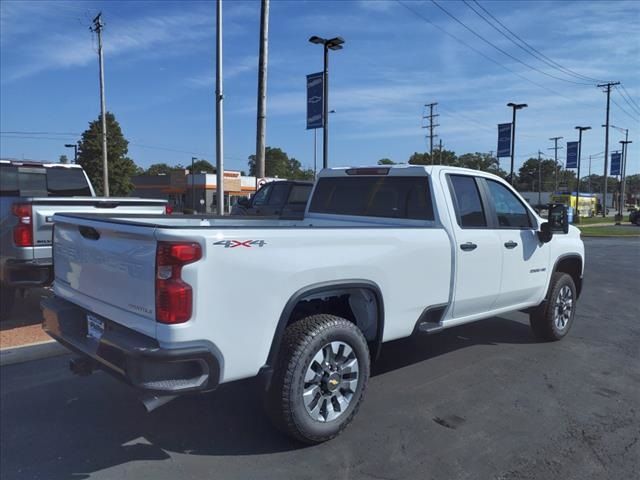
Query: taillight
point(23, 231)
point(174, 297)
point(168, 209)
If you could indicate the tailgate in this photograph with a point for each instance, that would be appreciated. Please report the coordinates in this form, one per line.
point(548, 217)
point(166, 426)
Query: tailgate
point(107, 268)
point(45, 208)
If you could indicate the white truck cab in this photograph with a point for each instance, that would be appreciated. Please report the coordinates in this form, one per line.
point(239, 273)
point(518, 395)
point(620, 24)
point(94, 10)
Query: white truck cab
point(382, 253)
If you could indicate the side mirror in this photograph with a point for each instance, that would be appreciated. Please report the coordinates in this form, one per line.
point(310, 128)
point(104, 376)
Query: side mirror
point(545, 233)
point(558, 218)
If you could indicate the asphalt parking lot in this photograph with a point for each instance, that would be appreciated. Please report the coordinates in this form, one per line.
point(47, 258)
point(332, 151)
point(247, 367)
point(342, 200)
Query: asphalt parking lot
point(482, 401)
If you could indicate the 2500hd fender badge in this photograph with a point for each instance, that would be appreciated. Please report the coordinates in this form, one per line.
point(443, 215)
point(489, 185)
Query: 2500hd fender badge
point(241, 243)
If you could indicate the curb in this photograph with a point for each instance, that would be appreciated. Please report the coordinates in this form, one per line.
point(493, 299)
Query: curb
point(32, 351)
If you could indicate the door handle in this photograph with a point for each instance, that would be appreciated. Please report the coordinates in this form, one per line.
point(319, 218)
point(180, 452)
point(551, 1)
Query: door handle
point(467, 247)
point(511, 244)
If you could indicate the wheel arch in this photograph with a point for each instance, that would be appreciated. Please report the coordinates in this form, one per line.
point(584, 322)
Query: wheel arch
point(360, 290)
point(571, 264)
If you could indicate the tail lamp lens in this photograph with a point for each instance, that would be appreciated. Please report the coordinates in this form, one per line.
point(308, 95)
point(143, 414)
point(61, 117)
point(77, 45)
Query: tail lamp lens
point(23, 231)
point(174, 297)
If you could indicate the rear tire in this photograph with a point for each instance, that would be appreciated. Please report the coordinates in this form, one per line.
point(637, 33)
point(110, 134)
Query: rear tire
point(320, 378)
point(553, 319)
point(7, 301)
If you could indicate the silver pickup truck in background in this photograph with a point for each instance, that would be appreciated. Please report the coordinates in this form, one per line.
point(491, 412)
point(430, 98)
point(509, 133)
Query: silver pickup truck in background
point(30, 194)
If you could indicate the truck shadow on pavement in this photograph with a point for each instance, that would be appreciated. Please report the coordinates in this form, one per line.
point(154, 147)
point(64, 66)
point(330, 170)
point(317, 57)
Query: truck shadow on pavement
point(69, 427)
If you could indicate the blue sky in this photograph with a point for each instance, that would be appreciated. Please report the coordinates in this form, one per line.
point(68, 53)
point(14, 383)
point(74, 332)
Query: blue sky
point(160, 61)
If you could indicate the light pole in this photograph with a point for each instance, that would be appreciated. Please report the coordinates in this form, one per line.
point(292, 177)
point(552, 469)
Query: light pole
point(334, 43)
point(514, 106)
point(580, 129)
point(625, 147)
point(75, 150)
point(193, 187)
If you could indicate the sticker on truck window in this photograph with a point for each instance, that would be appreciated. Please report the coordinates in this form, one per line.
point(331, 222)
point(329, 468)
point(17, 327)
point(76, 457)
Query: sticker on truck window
point(241, 243)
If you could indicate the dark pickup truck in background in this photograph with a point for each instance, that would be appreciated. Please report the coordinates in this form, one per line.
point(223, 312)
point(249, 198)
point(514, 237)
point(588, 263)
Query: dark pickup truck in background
point(283, 198)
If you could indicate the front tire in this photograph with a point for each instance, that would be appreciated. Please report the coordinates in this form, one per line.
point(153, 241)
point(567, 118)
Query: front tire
point(320, 378)
point(553, 319)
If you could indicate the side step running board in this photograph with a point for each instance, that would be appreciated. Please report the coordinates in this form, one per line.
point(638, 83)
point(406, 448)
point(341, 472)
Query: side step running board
point(430, 327)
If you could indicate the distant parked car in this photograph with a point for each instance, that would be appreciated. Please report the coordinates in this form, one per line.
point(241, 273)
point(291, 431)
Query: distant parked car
point(634, 217)
point(286, 198)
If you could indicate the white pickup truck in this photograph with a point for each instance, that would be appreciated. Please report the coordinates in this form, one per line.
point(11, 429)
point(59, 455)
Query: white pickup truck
point(382, 253)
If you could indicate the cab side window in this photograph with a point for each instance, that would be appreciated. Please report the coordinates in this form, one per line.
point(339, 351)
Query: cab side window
point(469, 210)
point(510, 211)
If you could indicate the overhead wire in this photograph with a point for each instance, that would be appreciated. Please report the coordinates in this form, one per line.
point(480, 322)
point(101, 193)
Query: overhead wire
point(504, 52)
point(446, 32)
point(634, 109)
point(533, 51)
point(629, 95)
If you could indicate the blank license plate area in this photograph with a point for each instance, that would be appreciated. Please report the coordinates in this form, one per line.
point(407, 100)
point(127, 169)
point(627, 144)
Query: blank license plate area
point(95, 327)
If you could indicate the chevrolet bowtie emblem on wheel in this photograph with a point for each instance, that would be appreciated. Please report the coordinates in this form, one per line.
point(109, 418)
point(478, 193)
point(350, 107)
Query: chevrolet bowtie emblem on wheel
point(333, 382)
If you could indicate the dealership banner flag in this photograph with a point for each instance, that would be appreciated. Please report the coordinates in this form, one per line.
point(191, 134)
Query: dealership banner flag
point(315, 97)
point(572, 155)
point(615, 163)
point(504, 140)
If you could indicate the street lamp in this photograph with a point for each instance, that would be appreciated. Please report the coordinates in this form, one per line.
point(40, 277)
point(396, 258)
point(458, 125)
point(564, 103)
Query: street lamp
point(334, 43)
point(193, 188)
point(515, 106)
point(75, 150)
point(580, 129)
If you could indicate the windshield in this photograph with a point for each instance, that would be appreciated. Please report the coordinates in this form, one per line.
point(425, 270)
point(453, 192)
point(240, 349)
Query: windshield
point(30, 181)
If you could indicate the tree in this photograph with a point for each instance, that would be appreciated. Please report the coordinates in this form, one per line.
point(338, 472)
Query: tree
point(386, 161)
point(446, 157)
point(278, 164)
point(203, 166)
point(528, 175)
point(64, 159)
point(121, 167)
point(481, 161)
point(162, 168)
point(420, 159)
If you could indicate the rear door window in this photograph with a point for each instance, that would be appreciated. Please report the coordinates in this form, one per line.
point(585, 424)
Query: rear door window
point(468, 205)
point(299, 194)
point(388, 197)
point(278, 194)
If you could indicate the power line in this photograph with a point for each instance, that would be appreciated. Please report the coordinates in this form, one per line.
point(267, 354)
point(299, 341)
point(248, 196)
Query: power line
point(504, 52)
point(533, 51)
point(629, 95)
point(425, 19)
point(634, 109)
point(624, 111)
point(66, 134)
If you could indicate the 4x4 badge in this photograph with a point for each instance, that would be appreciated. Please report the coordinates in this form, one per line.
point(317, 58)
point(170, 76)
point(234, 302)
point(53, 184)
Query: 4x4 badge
point(241, 243)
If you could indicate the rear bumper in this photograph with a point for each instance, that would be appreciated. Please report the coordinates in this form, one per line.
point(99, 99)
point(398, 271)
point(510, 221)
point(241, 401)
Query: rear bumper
point(27, 273)
point(131, 356)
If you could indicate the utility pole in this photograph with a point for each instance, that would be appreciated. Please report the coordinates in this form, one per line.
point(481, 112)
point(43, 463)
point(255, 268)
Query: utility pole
point(555, 156)
point(431, 126)
point(440, 153)
point(262, 89)
point(97, 28)
point(219, 119)
point(608, 86)
point(539, 178)
point(590, 192)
